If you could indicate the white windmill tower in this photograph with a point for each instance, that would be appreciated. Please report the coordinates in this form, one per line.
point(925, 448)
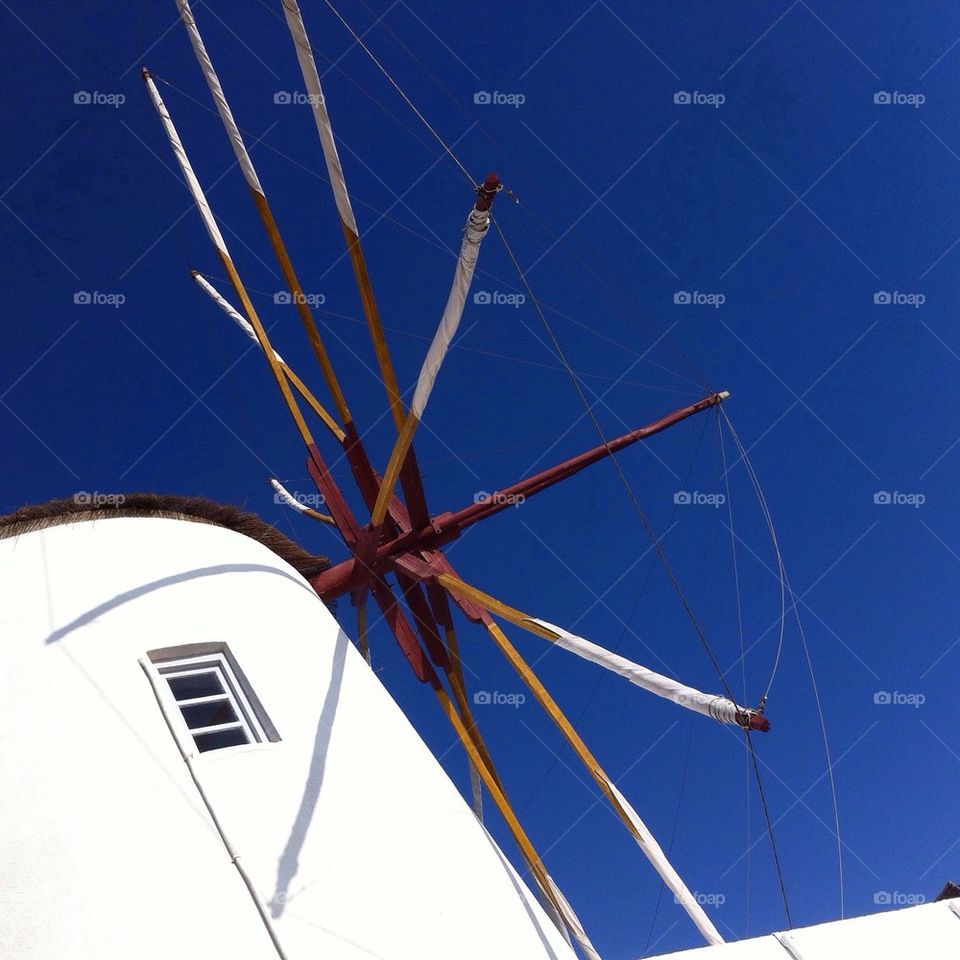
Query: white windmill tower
point(197, 762)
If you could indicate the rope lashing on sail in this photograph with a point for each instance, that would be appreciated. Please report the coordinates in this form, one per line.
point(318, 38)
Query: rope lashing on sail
point(478, 223)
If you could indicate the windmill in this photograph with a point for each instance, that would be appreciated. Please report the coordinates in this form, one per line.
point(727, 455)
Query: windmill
point(395, 557)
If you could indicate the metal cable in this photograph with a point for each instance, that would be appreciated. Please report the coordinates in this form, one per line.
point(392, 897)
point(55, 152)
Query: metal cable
point(655, 540)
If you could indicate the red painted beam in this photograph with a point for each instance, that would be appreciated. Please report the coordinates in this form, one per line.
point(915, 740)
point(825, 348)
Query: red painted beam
point(501, 499)
point(350, 574)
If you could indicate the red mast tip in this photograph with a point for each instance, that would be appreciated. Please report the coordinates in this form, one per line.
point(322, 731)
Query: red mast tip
point(487, 191)
point(759, 722)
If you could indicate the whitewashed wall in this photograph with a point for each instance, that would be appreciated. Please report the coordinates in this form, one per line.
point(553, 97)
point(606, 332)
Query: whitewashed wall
point(351, 832)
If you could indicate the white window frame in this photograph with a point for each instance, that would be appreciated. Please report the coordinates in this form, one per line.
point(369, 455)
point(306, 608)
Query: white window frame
point(214, 658)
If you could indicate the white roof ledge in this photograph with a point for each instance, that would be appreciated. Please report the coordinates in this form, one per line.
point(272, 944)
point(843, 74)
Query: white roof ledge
point(929, 930)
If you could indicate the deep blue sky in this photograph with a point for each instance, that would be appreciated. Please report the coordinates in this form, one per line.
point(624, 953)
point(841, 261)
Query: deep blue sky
point(799, 198)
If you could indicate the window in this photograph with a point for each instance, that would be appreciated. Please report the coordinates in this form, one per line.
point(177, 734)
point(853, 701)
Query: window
point(216, 702)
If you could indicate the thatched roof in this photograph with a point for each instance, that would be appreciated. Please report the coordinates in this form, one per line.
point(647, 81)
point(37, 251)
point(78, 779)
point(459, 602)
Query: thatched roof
point(197, 509)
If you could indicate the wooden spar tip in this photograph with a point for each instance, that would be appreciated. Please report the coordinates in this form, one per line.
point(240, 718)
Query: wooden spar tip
point(144, 73)
point(487, 190)
point(753, 720)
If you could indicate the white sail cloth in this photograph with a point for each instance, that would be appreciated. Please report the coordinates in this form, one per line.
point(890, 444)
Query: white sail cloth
point(229, 310)
point(573, 921)
point(478, 223)
point(288, 498)
point(196, 191)
point(311, 79)
point(718, 708)
point(670, 877)
point(223, 108)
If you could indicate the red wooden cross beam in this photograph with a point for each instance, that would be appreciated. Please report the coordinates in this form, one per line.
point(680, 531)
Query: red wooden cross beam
point(425, 541)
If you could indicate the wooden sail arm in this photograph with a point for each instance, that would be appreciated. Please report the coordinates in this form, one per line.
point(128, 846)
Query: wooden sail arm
point(718, 708)
point(479, 758)
point(349, 437)
point(444, 618)
point(338, 184)
point(349, 574)
point(621, 806)
point(220, 246)
point(410, 479)
point(339, 509)
point(505, 497)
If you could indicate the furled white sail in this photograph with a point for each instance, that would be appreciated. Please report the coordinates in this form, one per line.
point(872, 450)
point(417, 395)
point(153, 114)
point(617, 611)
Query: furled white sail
point(176, 144)
point(229, 310)
point(223, 108)
point(710, 705)
point(478, 223)
point(311, 79)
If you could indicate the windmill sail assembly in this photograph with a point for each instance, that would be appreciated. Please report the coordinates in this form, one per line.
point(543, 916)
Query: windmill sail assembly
point(402, 538)
point(317, 821)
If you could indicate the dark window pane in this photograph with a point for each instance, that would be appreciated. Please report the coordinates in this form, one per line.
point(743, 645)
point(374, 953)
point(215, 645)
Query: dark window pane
point(220, 738)
point(195, 685)
point(209, 714)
